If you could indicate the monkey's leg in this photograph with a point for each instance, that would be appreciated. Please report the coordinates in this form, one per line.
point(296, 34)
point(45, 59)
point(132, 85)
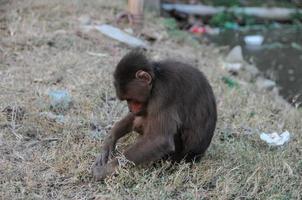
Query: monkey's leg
point(157, 141)
point(148, 149)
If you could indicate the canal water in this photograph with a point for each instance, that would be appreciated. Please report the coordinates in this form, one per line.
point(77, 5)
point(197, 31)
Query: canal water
point(279, 58)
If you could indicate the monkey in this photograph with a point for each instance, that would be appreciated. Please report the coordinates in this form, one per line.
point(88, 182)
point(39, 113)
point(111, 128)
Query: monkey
point(171, 105)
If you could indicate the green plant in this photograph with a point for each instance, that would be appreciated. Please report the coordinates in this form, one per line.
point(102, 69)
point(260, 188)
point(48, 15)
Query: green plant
point(297, 18)
point(170, 24)
point(229, 3)
point(221, 18)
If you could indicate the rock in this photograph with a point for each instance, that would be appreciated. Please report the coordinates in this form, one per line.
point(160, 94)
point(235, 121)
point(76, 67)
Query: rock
point(234, 60)
point(235, 55)
point(266, 84)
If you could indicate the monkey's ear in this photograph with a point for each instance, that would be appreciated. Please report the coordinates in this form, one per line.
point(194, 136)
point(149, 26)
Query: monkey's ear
point(142, 75)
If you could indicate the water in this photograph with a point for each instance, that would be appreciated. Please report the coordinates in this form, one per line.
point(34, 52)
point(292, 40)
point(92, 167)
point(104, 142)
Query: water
point(279, 58)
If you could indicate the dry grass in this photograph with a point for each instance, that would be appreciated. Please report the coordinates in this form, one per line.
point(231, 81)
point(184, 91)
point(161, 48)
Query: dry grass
point(42, 48)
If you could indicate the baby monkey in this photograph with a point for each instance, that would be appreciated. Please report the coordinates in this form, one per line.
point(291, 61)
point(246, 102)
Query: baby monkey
point(172, 107)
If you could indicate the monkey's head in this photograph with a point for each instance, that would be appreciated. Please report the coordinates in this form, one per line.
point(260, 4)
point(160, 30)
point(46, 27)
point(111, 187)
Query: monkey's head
point(133, 78)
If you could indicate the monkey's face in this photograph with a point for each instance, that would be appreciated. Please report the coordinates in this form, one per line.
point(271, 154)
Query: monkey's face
point(136, 91)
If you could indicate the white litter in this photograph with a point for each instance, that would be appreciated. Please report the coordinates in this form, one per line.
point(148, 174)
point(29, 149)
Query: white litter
point(265, 84)
point(119, 35)
point(253, 40)
point(275, 139)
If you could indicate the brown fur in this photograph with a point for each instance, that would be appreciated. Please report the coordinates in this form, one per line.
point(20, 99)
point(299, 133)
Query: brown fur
point(178, 117)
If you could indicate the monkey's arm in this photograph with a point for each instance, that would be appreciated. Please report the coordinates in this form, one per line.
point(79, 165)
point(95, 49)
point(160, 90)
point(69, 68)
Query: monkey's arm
point(119, 129)
point(146, 149)
point(157, 141)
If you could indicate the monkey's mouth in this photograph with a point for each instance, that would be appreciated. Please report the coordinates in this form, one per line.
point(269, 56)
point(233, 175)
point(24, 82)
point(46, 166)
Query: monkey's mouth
point(135, 107)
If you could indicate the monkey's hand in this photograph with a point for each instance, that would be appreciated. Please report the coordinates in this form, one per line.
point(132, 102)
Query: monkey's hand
point(107, 151)
point(100, 172)
point(99, 167)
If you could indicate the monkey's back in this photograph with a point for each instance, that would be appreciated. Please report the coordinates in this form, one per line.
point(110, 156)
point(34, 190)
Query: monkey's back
point(188, 90)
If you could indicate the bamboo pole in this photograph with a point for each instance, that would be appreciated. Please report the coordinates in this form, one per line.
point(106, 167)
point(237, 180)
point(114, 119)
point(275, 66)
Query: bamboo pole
point(136, 9)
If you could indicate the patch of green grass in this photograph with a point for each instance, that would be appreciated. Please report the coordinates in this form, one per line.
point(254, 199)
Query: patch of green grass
point(297, 18)
point(224, 18)
point(170, 24)
point(220, 19)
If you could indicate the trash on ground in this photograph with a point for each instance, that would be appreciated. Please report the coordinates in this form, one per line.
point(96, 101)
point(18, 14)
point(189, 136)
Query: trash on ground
point(231, 83)
point(275, 139)
point(253, 40)
point(60, 100)
point(119, 35)
point(266, 84)
point(196, 29)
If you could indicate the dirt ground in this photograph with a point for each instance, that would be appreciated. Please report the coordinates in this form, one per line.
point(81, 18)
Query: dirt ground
point(46, 156)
